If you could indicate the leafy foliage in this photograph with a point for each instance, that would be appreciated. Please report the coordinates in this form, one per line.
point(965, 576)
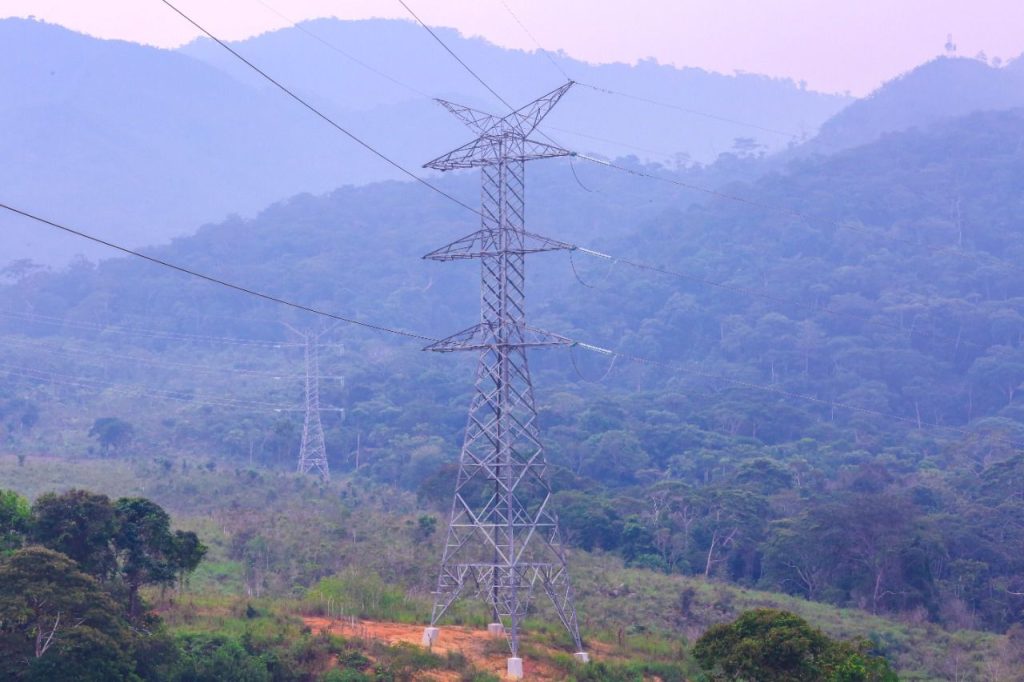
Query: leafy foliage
point(775, 646)
point(14, 519)
point(56, 622)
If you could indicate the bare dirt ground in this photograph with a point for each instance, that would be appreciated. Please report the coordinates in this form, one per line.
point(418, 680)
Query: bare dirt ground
point(483, 650)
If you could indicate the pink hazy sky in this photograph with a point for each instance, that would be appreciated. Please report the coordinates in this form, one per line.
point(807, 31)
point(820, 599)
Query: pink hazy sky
point(833, 45)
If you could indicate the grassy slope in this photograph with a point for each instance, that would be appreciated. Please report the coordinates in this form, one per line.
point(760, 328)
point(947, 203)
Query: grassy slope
point(307, 534)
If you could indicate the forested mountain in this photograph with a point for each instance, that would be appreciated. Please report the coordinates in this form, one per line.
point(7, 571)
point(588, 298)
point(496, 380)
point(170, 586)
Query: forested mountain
point(943, 88)
point(698, 128)
point(145, 144)
point(837, 416)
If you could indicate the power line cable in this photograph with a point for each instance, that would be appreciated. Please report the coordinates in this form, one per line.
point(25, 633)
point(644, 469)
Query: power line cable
point(762, 295)
point(320, 114)
point(606, 140)
point(917, 424)
point(535, 41)
point(639, 173)
point(369, 67)
point(583, 345)
point(609, 91)
point(409, 334)
point(632, 263)
point(592, 159)
point(455, 56)
point(694, 112)
point(216, 280)
point(793, 213)
point(697, 187)
point(421, 93)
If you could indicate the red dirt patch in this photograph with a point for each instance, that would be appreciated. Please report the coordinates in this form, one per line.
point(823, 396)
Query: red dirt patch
point(476, 645)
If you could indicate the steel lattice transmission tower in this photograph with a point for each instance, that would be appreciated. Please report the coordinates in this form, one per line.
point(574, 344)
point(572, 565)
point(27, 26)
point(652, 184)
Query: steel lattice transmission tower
point(313, 448)
point(502, 538)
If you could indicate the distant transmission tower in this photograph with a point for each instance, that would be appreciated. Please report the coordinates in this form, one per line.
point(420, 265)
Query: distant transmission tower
point(313, 448)
point(502, 539)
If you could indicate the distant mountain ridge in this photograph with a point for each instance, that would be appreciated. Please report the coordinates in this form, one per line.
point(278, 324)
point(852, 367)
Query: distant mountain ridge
point(140, 144)
point(943, 88)
point(308, 58)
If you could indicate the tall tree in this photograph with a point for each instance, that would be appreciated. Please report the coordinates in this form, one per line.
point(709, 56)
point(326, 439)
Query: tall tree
point(56, 622)
point(147, 551)
point(79, 524)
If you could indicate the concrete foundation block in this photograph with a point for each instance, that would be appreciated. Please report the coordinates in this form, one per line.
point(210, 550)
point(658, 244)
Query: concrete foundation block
point(495, 629)
point(430, 636)
point(515, 668)
point(581, 657)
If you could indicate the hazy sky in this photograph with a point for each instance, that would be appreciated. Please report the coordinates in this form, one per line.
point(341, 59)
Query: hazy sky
point(834, 45)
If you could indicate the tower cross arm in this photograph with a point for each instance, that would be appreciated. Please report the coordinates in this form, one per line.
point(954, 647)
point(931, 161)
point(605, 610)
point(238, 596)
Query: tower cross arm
point(488, 151)
point(481, 244)
point(484, 336)
point(480, 122)
point(470, 155)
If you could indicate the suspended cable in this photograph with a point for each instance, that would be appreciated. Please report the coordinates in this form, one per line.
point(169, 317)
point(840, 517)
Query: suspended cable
point(694, 112)
point(606, 140)
point(572, 167)
point(369, 67)
point(609, 91)
point(320, 114)
point(380, 328)
point(481, 80)
point(417, 91)
point(216, 280)
point(576, 367)
point(455, 56)
point(942, 250)
point(688, 185)
point(917, 424)
point(759, 294)
point(535, 41)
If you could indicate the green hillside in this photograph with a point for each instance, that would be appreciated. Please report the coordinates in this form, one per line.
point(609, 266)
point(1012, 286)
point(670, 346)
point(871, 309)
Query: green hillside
point(276, 542)
point(837, 416)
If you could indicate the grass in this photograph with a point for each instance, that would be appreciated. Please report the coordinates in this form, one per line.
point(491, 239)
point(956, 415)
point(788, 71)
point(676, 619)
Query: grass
point(356, 545)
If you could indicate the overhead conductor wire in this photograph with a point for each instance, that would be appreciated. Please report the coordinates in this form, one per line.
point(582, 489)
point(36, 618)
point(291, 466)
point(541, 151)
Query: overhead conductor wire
point(320, 114)
point(633, 263)
point(381, 328)
point(575, 343)
point(217, 280)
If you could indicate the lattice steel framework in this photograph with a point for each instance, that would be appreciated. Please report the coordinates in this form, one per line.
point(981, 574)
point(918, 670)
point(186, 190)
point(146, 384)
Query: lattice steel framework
point(313, 449)
point(502, 538)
